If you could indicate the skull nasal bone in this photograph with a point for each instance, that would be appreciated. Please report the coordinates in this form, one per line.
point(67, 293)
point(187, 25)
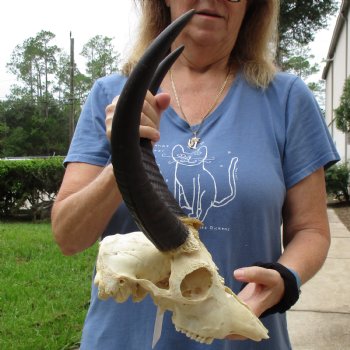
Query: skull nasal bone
point(196, 284)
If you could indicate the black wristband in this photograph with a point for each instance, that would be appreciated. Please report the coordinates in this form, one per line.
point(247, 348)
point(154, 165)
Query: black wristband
point(291, 290)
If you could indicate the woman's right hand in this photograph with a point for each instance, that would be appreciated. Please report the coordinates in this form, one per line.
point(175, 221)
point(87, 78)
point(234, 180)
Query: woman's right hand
point(150, 116)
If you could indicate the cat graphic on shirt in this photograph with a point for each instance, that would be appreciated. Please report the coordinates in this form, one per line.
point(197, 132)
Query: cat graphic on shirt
point(192, 164)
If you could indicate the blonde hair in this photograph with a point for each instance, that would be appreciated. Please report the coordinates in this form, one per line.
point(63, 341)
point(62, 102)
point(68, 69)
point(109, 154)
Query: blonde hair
point(255, 47)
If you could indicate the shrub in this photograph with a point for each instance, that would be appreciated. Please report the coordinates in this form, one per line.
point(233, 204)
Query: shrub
point(28, 187)
point(342, 113)
point(337, 182)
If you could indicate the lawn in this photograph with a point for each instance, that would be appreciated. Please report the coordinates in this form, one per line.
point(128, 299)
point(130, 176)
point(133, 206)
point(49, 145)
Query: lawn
point(43, 294)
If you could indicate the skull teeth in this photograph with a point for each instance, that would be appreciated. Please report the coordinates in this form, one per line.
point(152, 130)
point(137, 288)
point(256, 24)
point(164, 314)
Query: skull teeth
point(194, 336)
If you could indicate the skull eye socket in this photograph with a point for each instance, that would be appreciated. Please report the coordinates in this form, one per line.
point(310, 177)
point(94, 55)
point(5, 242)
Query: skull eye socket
point(164, 284)
point(195, 285)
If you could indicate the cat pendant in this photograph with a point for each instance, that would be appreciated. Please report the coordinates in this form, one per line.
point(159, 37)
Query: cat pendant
point(193, 142)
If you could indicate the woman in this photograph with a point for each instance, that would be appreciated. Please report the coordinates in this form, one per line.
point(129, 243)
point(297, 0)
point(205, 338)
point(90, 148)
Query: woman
point(242, 147)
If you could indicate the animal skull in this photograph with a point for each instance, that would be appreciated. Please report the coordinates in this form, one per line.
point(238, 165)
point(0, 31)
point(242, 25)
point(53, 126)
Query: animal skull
point(186, 283)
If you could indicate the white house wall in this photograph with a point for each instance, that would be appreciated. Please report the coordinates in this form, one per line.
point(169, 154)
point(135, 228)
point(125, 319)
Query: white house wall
point(329, 101)
point(337, 70)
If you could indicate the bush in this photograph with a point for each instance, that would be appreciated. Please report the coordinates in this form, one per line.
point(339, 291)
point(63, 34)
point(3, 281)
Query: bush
point(28, 187)
point(342, 113)
point(337, 182)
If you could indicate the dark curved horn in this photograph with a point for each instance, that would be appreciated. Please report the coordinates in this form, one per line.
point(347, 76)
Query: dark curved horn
point(163, 69)
point(148, 159)
point(145, 201)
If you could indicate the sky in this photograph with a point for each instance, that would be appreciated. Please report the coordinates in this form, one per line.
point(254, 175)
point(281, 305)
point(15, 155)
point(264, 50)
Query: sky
point(22, 19)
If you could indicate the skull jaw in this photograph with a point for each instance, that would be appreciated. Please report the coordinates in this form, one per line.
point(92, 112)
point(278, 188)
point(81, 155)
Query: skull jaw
point(203, 307)
point(186, 283)
point(220, 316)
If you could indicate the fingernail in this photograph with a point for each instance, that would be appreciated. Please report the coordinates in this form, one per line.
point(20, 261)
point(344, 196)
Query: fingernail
point(240, 273)
point(156, 136)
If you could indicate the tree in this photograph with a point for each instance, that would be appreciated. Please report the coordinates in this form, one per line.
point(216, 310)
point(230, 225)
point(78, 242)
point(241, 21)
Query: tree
point(61, 88)
point(3, 128)
point(342, 113)
point(28, 133)
point(82, 83)
point(300, 62)
point(101, 57)
point(319, 90)
point(300, 20)
point(34, 63)
point(35, 117)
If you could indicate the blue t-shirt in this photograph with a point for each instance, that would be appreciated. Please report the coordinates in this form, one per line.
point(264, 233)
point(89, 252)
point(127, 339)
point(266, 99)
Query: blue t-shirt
point(254, 146)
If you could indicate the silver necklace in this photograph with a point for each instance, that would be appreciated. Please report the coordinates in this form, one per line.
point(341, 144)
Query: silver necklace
point(194, 140)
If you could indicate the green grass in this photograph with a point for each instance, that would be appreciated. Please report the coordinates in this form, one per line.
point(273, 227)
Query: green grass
point(43, 295)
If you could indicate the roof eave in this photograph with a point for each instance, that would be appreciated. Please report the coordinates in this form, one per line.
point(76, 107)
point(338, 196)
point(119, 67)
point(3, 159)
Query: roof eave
point(335, 37)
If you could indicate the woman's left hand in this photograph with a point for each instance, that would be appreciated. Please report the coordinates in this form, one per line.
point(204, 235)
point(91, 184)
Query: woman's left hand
point(265, 287)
